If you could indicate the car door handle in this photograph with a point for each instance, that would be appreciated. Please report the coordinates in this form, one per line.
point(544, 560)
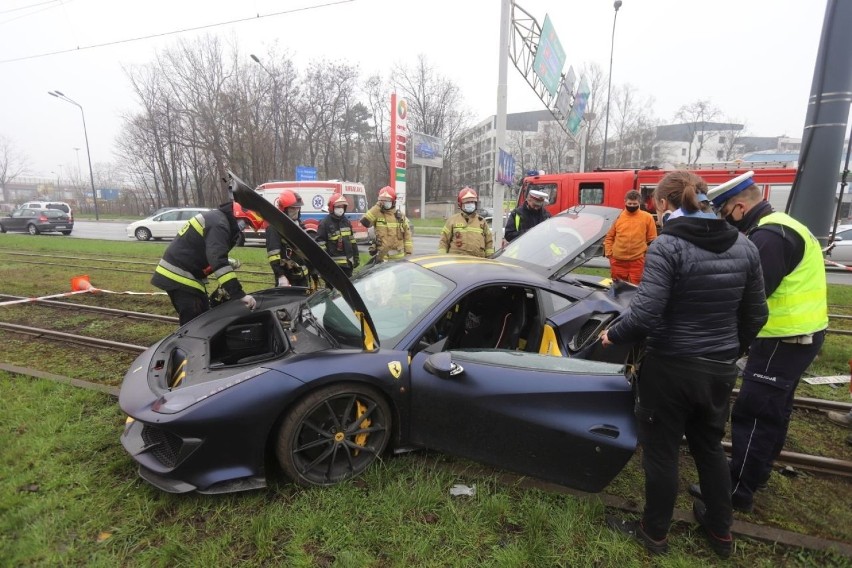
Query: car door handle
point(607, 430)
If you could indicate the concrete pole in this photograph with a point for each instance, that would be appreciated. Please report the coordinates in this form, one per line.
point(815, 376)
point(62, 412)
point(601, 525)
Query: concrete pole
point(502, 75)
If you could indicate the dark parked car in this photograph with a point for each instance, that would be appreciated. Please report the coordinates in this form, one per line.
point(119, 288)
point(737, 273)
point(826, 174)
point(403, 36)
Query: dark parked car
point(35, 221)
point(494, 360)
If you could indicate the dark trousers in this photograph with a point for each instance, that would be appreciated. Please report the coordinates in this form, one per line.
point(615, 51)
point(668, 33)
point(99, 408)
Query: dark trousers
point(189, 304)
point(761, 413)
point(678, 396)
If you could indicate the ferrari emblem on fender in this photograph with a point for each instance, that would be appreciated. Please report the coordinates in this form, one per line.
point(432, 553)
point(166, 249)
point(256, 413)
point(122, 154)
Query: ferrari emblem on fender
point(395, 368)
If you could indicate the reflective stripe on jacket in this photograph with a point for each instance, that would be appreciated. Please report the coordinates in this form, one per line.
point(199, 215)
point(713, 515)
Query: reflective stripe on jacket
point(200, 251)
point(393, 235)
point(466, 234)
point(336, 233)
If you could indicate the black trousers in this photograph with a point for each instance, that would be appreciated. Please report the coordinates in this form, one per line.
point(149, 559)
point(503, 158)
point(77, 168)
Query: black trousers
point(678, 396)
point(189, 304)
point(761, 413)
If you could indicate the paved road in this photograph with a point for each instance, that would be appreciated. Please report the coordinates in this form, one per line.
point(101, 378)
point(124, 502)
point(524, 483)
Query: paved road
point(115, 231)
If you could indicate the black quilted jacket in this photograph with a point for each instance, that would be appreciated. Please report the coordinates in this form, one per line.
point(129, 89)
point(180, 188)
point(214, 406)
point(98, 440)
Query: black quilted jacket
point(701, 293)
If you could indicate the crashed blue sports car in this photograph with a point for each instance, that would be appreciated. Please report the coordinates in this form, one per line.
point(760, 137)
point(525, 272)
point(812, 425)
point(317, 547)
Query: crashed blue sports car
point(495, 360)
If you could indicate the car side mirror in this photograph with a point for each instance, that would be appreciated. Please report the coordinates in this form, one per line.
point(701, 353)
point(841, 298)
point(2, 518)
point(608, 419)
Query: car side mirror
point(441, 365)
point(838, 239)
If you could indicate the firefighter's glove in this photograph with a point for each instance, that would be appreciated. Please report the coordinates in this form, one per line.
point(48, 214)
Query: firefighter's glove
point(356, 261)
point(373, 249)
point(282, 281)
point(249, 301)
point(218, 297)
point(235, 263)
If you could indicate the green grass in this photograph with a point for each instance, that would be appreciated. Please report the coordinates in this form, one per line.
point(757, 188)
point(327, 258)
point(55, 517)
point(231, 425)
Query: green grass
point(70, 495)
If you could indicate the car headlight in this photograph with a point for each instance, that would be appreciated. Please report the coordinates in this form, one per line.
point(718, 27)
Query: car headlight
point(184, 397)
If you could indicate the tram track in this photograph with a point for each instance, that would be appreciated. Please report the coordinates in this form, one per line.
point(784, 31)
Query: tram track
point(810, 463)
point(100, 259)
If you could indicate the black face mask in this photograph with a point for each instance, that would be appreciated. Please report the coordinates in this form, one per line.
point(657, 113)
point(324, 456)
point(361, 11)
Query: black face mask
point(735, 224)
point(632, 208)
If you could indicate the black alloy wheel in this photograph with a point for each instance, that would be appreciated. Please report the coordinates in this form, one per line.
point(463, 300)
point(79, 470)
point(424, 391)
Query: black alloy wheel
point(333, 434)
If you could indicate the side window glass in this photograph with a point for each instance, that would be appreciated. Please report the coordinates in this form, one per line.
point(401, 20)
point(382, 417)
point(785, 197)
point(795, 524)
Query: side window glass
point(591, 193)
point(170, 216)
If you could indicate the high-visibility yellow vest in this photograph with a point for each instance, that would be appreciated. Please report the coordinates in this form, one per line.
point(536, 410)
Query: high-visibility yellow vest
point(799, 305)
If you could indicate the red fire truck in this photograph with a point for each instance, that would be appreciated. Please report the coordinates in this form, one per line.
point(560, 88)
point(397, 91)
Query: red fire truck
point(608, 187)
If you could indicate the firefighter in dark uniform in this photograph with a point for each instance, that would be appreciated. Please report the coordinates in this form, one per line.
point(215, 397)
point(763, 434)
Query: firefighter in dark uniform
point(527, 215)
point(200, 251)
point(286, 268)
point(336, 232)
point(794, 277)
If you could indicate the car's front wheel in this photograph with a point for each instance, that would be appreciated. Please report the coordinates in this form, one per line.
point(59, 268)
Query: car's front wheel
point(333, 434)
point(32, 229)
point(2, 229)
point(142, 234)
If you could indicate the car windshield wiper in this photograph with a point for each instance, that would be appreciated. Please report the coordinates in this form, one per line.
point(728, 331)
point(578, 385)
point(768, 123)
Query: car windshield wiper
point(309, 320)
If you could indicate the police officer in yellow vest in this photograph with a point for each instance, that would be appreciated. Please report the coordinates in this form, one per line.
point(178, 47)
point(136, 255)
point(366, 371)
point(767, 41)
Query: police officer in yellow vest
point(794, 278)
point(393, 235)
point(466, 232)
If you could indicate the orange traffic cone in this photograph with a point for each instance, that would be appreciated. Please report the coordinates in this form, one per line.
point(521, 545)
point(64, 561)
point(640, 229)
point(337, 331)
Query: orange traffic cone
point(80, 283)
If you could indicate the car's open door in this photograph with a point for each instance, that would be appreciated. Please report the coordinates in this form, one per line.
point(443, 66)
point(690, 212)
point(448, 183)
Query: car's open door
point(559, 419)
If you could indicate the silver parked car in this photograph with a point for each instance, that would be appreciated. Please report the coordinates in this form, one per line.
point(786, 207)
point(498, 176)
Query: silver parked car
point(842, 251)
point(163, 225)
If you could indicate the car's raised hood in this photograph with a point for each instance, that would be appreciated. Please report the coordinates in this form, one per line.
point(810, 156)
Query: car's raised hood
point(311, 254)
point(562, 243)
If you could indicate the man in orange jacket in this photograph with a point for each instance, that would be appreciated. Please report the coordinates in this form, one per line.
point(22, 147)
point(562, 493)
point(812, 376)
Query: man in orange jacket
point(628, 239)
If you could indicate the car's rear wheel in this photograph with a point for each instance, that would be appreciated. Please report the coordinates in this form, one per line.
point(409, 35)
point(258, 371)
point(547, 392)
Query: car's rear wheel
point(142, 234)
point(333, 434)
point(32, 229)
point(2, 229)
point(66, 233)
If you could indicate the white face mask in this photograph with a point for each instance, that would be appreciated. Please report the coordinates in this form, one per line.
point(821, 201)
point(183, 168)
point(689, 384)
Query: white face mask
point(386, 205)
point(468, 207)
point(339, 211)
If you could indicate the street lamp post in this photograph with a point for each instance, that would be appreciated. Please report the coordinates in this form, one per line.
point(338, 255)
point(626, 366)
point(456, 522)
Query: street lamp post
point(275, 110)
point(61, 96)
point(616, 5)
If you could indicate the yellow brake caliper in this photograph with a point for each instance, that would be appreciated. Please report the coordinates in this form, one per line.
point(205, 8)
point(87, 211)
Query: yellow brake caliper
point(361, 439)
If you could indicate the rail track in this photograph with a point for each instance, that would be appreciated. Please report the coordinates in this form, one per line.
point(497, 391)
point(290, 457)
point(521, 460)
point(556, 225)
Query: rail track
point(150, 265)
point(813, 464)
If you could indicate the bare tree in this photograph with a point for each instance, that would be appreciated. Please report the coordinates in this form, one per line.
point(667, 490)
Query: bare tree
point(378, 101)
point(12, 164)
point(435, 108)
point(593, 121)
point(698, 119)
point(732, 132)
point(634, 127)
